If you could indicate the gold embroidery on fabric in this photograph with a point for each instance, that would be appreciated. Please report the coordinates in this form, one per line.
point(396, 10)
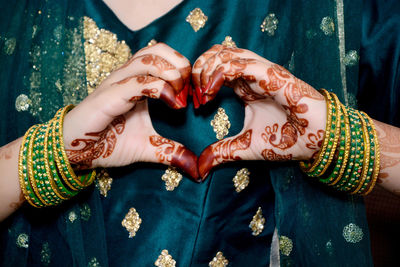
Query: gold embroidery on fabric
point(257, 224)
point(132, 222)
point(241, 179)
point(9, 45)
point(72, 216)
point(229, 42)
point(197, 19)
point(104, 182)
point(22, 103)
point(151, 42)
point(22, 241)
point(94, 263)
point(269, 24)
point(327, 26)
point(285, 245)
point(219, 261)
point(45, 254)
point(352, 233)
point(342, 47)
point(165, 260)
point(172, 178)
point(103, 53)
point(351, 58)
point(221, 124)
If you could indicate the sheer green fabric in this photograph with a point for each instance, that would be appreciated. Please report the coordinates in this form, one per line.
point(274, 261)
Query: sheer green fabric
point(193, 222)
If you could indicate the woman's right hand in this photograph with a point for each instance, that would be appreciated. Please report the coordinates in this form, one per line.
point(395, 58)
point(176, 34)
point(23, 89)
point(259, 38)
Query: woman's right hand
point(112, 126)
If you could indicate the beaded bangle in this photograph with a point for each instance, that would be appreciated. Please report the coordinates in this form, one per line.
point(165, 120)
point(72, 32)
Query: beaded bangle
point(377, 159)
point(357, 168)
point(331, 136)
point(366, 159)
point(43, 188)
point(32, 180)
point(346, 140)
point(23, 169)
point(55, 182)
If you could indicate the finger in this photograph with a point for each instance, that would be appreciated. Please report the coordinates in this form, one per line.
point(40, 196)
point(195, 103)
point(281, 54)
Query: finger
point(230, 149)
point(169, 152)
point(135, 88)
point(198, 65)
point(150, 64)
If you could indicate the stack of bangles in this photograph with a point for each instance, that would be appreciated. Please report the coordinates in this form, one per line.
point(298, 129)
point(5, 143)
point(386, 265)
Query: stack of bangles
point(46, 177)
point(349, 157)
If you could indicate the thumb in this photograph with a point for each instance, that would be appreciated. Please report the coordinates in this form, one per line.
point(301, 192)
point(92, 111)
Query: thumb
point(230, 149)
point(163, 150)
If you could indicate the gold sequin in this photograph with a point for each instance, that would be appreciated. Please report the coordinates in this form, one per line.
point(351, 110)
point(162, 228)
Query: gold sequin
point(219, 261)
point(45, 254)
point(221, 124)
point(352, 233)
point(151, 42)
point(257, 224)
point(351, 58)
point(172, 178)
point(285, 245)
point(229, 42)
point(23, 241)
point(103, 53)
point(197, 19)
point(241, 179)
point(104, 182)
point(327, 26)
point(9, 46)
point(22, 103)
point(72, 216)
point(132, 222)
point(165, 260)
point(269, 24)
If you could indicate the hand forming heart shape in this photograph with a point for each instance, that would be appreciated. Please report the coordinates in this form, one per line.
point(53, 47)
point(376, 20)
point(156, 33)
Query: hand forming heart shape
point(280, 118)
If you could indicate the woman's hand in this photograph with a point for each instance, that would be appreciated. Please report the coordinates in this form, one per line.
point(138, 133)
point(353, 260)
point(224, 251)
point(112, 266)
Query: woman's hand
point(112, 126)
point(284, 117)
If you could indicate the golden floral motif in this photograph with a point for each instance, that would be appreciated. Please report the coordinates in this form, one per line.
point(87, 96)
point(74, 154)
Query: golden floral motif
point(9, 45)
point(257, 223)
point(72, 216)
point(23, 240)
point(269, 24)
point(197, 19)
point(45, 254)
point(351, 58)
point(172, 178)
point(229, 42)
point(165, 260)
point(103, 53)
point(22, 103)
point(93, 263)
point(327, 26)
point(219, 261)
point(85, 212)
point(352, 233)
point(285, 245)
point(132, 222)
point(241, 179)
point(221, 124)
point(104, 182)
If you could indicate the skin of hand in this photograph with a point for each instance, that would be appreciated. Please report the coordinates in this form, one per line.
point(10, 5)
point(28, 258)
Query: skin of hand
point(285, 118)
point(112, 126)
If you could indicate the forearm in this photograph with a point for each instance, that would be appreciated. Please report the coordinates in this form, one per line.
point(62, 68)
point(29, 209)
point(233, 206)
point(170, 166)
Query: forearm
point(389, 142)
point(11, 197)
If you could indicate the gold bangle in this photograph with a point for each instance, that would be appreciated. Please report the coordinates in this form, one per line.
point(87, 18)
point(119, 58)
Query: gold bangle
point(377, 160)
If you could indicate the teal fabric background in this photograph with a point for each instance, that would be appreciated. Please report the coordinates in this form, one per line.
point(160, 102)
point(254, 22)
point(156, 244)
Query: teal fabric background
point(193, 222)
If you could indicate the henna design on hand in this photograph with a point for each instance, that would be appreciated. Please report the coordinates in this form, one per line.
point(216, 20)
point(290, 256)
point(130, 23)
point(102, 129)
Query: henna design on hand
point(158, 62)
point(223, 151)
point(16, 205)
point(269, 154)
point(102, 145)
point(6, 152)
point(169, 152)
point(288, 136)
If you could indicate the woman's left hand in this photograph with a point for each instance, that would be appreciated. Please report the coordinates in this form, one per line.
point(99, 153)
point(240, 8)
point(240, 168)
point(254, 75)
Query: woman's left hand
point(284, 117)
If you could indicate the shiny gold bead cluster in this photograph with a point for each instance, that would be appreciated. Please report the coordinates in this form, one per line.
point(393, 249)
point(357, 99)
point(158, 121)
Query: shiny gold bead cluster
point(46, 177)
point(349, 159)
